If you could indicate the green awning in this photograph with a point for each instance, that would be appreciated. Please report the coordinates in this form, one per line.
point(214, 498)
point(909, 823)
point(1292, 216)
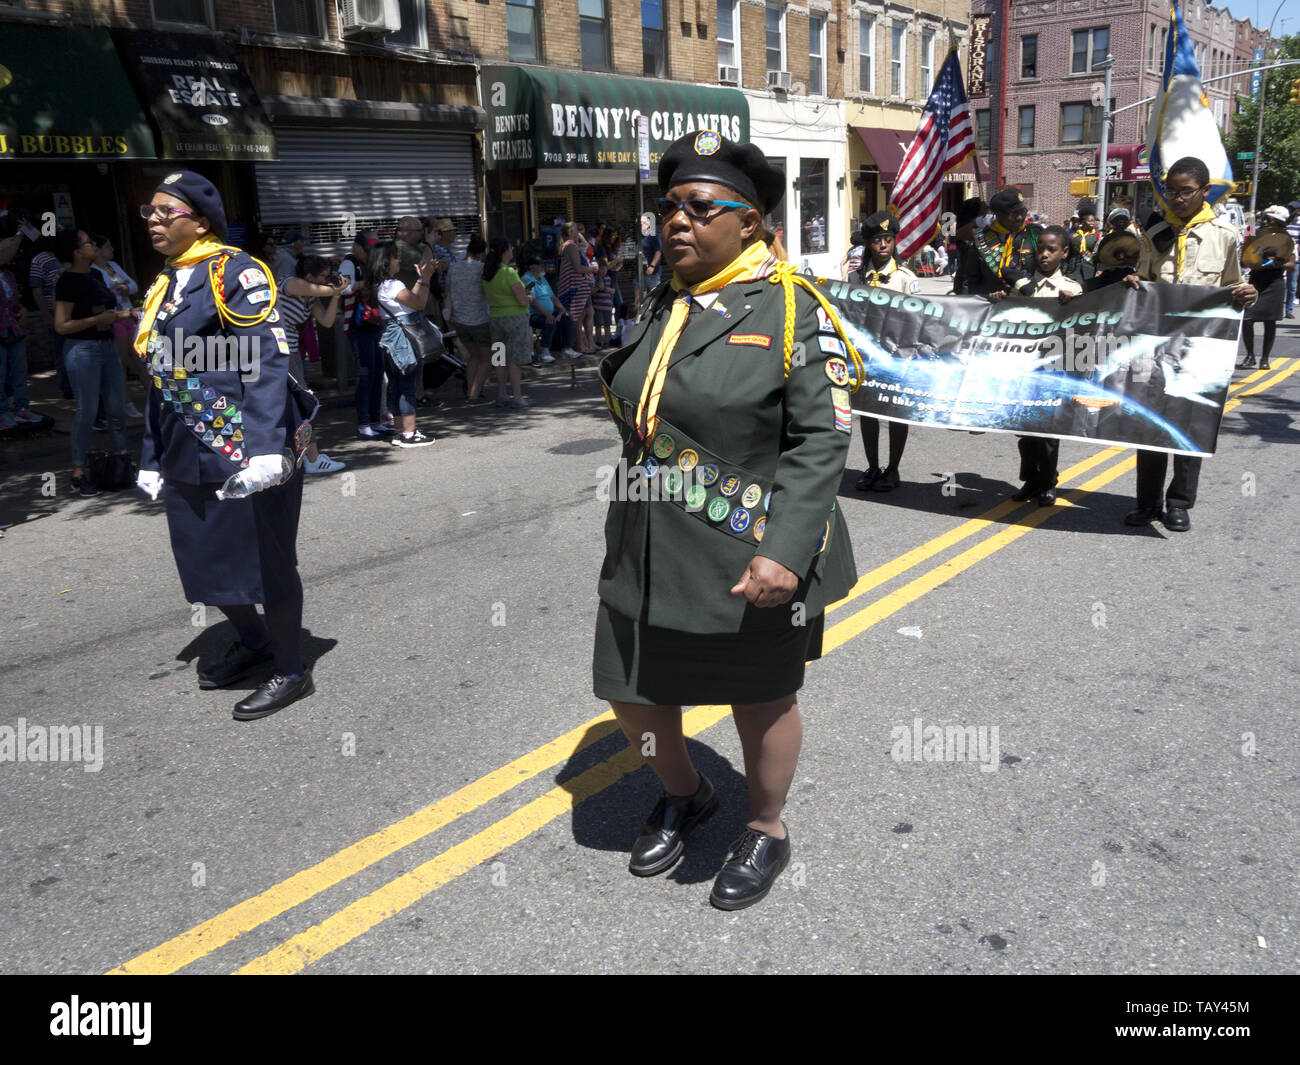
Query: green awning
point(64, 95)
point(544, 119)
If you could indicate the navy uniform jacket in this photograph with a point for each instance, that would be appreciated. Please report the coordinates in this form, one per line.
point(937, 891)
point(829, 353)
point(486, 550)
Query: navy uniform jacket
point(194, 391)
point(777, 448)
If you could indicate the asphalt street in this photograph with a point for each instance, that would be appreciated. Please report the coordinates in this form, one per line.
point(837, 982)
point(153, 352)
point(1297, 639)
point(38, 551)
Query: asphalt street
point(454, 799)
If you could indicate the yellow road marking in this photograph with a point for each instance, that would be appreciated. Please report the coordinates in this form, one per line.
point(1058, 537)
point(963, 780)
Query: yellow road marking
point(354, 920)
point(220, 930)
point(309, 946)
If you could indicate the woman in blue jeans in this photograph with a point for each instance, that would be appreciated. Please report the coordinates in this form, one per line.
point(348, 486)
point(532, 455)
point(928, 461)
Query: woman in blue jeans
point(84, 314)
point(398, 303)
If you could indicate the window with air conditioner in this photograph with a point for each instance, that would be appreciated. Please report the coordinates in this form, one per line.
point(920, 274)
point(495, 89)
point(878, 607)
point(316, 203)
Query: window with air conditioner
point(774, 26)
point(182, 12)
point(412, 33)
point(867, 53)
point(304, 18)
point(728, 33)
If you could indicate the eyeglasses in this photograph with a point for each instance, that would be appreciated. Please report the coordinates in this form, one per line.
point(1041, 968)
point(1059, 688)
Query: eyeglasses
point(696, 210)
point(164, 213)
point(1182, 194)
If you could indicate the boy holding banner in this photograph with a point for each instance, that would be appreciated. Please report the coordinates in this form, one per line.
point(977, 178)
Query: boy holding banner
point(1187, 245)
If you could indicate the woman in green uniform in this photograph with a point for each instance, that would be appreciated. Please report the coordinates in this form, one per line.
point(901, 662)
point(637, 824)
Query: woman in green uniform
point(724, 544)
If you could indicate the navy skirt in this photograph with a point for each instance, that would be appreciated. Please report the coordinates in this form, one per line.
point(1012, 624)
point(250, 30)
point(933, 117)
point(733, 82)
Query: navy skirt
point(235, 551)
point(639, 663)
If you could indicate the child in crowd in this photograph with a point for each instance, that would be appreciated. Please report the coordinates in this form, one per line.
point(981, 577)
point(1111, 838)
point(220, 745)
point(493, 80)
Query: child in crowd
point(1048, 280)
point(602, 302)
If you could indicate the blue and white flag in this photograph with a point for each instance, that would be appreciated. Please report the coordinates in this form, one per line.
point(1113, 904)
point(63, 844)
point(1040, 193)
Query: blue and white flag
point(1182, 122)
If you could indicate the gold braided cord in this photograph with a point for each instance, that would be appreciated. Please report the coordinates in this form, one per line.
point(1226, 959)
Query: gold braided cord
point(216, 280)
point(785, 275)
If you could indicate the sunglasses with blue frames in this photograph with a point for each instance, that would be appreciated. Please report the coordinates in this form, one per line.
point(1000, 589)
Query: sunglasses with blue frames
point(696, 210)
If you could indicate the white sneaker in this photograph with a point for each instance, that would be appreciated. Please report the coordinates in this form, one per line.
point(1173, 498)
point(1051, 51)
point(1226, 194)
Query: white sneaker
point(569, 353)
point(26, 417)
point(132, 412)
point(323, 464)
point(367, 433)
point(521, 401)
point(547, 357)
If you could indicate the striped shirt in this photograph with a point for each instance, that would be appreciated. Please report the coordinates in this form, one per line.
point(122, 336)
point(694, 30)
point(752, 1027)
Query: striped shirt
point(294, 312)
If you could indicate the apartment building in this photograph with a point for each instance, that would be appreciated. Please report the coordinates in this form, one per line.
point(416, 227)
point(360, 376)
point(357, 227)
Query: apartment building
point(1038, 115)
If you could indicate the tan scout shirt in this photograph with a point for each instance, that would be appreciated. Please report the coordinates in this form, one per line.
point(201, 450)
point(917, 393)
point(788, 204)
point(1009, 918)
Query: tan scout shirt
point(1210, 258)
point(899, 279)
point(1051, 285)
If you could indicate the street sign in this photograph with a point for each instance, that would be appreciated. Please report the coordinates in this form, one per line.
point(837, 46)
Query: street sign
point(1256, 79)
point(1262, 165)
point(643, 146)
point(1245, 155)
point(1114, 167)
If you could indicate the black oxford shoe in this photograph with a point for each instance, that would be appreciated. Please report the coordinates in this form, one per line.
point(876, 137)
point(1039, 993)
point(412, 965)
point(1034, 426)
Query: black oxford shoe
point(1142, 516)
point(274, 694)
point(756, 860)
point(238, 663)
point(1026, 493)
point(663, 839)
point(1176, 520)
point(1047, 497)
point(868, 478)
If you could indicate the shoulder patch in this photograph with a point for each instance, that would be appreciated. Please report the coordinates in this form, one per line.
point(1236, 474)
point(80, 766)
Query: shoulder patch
point(913, 287)
point(757, 340)
point(824, 322)
point(832, 345)
point(260, 296)
point(253, 278)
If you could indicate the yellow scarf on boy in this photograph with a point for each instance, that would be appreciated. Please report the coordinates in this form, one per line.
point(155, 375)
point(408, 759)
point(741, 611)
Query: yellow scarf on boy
point(1205, 214)
point(754, 263)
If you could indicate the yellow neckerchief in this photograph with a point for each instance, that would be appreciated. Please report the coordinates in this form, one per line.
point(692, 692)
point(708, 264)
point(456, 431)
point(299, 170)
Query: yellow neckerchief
point(999, 228)
point(879, 277)
point(206, 247)
point(754, 263)
point(1205, 214)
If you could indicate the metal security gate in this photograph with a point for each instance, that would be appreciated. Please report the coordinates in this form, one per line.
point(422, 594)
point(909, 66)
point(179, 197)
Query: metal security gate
point(331, 184)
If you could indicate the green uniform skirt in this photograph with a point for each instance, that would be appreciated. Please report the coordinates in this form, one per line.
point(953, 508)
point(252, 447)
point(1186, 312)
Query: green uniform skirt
point(639, 663)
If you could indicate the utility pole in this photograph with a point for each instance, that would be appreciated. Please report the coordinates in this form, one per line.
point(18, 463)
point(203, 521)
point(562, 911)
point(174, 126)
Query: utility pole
point(1102, 162)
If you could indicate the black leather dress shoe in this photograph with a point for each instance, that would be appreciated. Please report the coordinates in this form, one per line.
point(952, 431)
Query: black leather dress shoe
point(868, 478)
point(238, 663)
point(756, 860)
point(274, 694)
point(663, 839)
point(1176, 520)
point(1026, 493)
point(887, 481)
point(1047, 497)
point(1142, 516)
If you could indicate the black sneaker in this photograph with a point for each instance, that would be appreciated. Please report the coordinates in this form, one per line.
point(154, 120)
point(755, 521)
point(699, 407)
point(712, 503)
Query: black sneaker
point(237, 663)
point(83, 487)
point(413, 439)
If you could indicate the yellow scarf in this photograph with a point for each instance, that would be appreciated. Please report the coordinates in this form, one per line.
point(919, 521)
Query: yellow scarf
point(206, 247)
point(754, 263)
point(879, 277)
point(1205, 214)
point(999, 228)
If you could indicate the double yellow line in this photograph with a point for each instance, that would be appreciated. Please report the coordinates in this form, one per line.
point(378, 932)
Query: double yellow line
point(365, 913)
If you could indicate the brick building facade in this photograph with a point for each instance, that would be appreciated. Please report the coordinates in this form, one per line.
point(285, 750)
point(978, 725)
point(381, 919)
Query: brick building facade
point(1044, 126)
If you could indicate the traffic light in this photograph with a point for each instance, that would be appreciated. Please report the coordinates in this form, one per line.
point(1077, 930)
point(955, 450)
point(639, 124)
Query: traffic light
point(1242, 188)
point(1087, 186)
point(1295, 90)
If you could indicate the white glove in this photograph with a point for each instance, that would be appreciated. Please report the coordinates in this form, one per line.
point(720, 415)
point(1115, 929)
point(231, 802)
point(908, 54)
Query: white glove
point(150, 481)
point(263, 472)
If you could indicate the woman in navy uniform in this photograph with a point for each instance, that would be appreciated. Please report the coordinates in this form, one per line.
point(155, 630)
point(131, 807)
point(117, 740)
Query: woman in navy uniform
point(724, 544)
point(222, 411)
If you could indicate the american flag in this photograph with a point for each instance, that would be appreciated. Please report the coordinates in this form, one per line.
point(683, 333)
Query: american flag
point(944, 138)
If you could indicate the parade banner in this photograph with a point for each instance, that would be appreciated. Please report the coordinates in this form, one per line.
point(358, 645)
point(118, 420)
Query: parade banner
point(1147, 369)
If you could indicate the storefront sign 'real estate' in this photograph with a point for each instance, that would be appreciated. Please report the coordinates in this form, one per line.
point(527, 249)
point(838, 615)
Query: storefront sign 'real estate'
point(545, 120)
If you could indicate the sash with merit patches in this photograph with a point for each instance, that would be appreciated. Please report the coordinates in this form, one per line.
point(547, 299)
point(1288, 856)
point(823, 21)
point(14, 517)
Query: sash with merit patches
point(721, 494)
point(213, 418)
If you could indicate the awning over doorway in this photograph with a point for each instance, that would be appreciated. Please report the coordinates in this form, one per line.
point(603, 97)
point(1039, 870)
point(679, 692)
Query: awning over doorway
point(199, 94)
point(546, 119)
point(1128, 162)
point(888, 146)
point(64, 95)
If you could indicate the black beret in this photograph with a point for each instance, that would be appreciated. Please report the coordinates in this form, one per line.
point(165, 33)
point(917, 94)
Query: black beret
point(199, 193)
point(709, 156)
point(882, 223)
point(969, 210)
point(1006, 200)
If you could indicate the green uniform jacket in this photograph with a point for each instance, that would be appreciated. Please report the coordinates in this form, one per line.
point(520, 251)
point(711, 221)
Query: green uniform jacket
point(776, 447)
